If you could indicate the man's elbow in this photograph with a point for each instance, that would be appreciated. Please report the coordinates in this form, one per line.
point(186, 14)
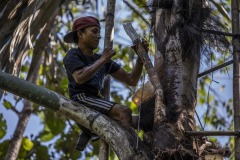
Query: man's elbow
point(79, 81)
point(78, 77)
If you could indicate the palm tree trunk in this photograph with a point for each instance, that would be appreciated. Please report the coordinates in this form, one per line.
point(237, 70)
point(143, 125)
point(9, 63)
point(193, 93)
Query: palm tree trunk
point(178, 76)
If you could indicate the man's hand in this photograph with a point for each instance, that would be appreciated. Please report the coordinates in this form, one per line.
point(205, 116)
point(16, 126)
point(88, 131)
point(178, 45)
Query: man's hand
point(139, 48)
point(108, 54)
point(144, 44)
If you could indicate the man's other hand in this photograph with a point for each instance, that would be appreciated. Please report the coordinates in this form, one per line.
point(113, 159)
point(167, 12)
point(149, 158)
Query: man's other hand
point(108, 54)
point(144, 44)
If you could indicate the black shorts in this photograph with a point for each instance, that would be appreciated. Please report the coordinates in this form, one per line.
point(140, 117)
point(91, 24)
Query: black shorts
point(94, 102)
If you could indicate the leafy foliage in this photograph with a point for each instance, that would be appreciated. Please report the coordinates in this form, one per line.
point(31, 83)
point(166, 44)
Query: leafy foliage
point(3, 126)
point(27, 144)
point(3, 148)
point(58, 137)
point(7, 104)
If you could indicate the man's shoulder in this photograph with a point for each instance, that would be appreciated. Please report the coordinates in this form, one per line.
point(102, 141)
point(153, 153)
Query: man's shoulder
point(73, 51)
point(71, 54)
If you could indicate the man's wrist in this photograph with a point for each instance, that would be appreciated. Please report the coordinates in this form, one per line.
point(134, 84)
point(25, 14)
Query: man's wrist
point(102, 60)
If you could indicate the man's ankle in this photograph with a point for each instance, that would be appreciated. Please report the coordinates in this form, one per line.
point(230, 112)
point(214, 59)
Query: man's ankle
point(82, 142)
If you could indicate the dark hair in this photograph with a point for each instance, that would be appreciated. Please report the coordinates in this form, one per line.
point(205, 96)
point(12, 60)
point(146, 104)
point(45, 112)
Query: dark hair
point(75, 36)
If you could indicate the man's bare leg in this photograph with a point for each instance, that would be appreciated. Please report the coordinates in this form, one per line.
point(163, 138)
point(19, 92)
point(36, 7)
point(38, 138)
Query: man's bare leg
point(122, 115)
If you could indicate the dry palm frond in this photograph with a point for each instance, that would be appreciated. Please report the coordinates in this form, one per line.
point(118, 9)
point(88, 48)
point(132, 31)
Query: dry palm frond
point(23, 29)
point(194, 19)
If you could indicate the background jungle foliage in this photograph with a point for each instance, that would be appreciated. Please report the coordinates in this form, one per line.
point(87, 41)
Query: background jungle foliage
point(56, 136)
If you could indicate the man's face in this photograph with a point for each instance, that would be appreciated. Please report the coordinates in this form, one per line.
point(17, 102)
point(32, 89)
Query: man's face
point(90, 37)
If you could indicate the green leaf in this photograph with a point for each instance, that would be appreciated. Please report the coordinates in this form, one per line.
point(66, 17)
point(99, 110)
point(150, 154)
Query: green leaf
point(54, 123)
point(41, 115)
point(3, 126)
point(202, 92)
point(24, 68)
point(212, 139)
point(47, 136)
point(201, 100)
point(42, 153)
point(27, 144)
point(4, 148)
point(133, 106)
point(7, 104)
point(66, 143)
point(22, 154)
point(140, 134)
point(117, 98)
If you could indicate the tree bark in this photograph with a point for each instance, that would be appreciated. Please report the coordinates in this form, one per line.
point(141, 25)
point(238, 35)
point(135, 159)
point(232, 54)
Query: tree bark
point(100, 124)
point(178, 76)
point(108, 43)
point(16, 141)
point(236, 73)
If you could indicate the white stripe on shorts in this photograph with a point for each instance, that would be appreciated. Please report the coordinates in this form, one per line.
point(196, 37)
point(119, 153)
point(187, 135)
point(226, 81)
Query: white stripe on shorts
point(95, 102)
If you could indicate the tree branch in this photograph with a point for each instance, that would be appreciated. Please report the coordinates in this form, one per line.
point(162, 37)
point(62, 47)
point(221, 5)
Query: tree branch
point(215, 68)
point(15, 111)
point(134, 10)
point(100, 124)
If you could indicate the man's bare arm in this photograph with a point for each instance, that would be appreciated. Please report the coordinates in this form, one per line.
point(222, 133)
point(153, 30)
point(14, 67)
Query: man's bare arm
point(83, 75)
point(132, 78)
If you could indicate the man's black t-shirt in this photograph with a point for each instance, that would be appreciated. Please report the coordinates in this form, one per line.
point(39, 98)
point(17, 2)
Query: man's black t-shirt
point(74, 60)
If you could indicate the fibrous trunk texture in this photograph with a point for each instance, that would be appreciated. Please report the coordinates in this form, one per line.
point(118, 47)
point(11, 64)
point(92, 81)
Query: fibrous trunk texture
point(177, 61)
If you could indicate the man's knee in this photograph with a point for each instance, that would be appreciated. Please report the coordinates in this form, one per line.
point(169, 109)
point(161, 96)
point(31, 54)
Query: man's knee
point(126, 111)
point(120, 111)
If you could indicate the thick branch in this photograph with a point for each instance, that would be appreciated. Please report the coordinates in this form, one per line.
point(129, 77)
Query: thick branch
point(104, 127)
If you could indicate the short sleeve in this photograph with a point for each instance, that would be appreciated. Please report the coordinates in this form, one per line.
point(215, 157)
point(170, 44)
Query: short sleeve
point(73, 61)
point(112, 67)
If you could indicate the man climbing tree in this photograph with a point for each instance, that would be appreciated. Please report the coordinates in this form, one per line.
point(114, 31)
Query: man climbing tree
point(177, 31)
point(86, 71)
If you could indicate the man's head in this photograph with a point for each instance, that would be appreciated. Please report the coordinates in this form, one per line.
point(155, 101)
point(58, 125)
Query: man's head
point(79, 25)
